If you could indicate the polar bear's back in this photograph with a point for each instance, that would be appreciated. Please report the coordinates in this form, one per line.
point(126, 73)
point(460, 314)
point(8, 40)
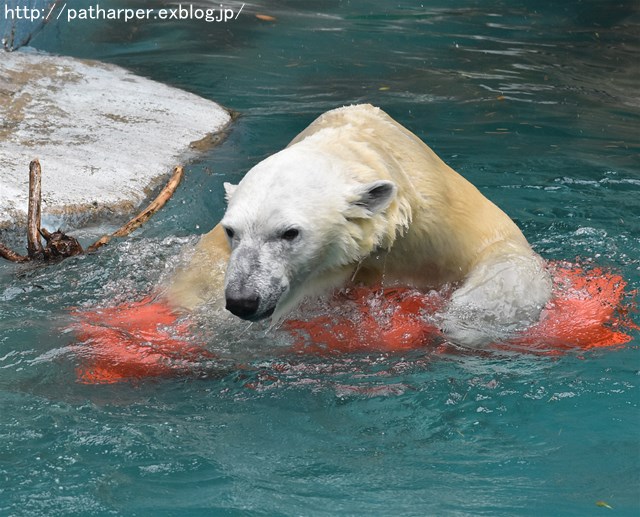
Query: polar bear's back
point(450, 222)
point(352, 126)
point(366, 135)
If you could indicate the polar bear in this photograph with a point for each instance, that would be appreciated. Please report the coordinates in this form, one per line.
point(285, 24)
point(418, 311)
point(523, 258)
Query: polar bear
point(358, 198)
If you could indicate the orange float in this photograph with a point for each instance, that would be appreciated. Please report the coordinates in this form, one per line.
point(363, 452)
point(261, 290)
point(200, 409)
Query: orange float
point(134, 341)
point(588, 309)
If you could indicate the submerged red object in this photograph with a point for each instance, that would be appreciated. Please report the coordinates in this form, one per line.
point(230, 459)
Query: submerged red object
point(587, 310)
point(384, 320)
point(148, 339)
point(135, 341)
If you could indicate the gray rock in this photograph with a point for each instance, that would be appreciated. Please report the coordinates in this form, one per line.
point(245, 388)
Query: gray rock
point(104, 136)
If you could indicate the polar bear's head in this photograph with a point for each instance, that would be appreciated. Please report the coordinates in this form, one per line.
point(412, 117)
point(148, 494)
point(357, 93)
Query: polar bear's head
point(298, 223)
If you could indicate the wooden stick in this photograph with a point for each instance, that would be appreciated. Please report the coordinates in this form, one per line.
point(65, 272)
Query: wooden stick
point(11, 255)
point(144, 216)
point(34, 246)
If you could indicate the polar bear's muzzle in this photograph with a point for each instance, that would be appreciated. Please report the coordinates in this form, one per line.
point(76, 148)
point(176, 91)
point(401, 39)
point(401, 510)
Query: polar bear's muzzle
point(246, 305)
point(252, 303)
point(254, 283)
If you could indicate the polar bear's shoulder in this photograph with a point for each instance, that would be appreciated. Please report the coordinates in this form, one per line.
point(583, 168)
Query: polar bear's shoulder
point(364, 134)
point(360, 119)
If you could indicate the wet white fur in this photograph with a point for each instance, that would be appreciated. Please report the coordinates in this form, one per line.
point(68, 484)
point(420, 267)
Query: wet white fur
point(426, 227)
point(314, 193)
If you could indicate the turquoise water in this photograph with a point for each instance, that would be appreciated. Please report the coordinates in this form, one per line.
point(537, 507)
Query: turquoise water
point(536, 103)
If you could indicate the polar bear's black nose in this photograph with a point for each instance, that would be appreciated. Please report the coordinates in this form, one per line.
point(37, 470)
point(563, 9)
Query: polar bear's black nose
point(243, 306)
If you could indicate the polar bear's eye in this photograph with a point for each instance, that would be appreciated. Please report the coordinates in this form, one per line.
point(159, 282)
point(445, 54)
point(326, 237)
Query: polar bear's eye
point(290, 234)
point(230, 233)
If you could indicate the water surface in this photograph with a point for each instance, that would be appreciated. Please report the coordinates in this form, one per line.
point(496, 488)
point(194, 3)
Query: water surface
point(536, 103)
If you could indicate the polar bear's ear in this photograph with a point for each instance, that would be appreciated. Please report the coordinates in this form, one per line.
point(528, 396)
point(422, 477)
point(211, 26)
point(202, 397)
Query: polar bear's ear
point(372, 198)
point(229, 189)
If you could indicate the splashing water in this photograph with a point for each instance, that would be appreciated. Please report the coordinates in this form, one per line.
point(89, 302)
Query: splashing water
point(149, 339)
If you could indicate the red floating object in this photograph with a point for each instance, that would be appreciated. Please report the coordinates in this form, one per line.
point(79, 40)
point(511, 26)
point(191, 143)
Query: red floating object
point(586, 311)
point(147, 338)
point(135, 341)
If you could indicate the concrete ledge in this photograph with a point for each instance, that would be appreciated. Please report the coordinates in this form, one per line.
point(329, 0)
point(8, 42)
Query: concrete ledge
point(104, 136)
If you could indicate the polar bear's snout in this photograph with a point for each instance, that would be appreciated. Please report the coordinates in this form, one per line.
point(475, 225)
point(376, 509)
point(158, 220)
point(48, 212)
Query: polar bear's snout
point(255, 281)
point(249, 300)
point(244, 305)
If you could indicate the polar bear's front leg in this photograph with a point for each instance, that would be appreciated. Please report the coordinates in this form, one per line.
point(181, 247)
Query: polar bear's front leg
point(201, 282)
point(503, 294)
